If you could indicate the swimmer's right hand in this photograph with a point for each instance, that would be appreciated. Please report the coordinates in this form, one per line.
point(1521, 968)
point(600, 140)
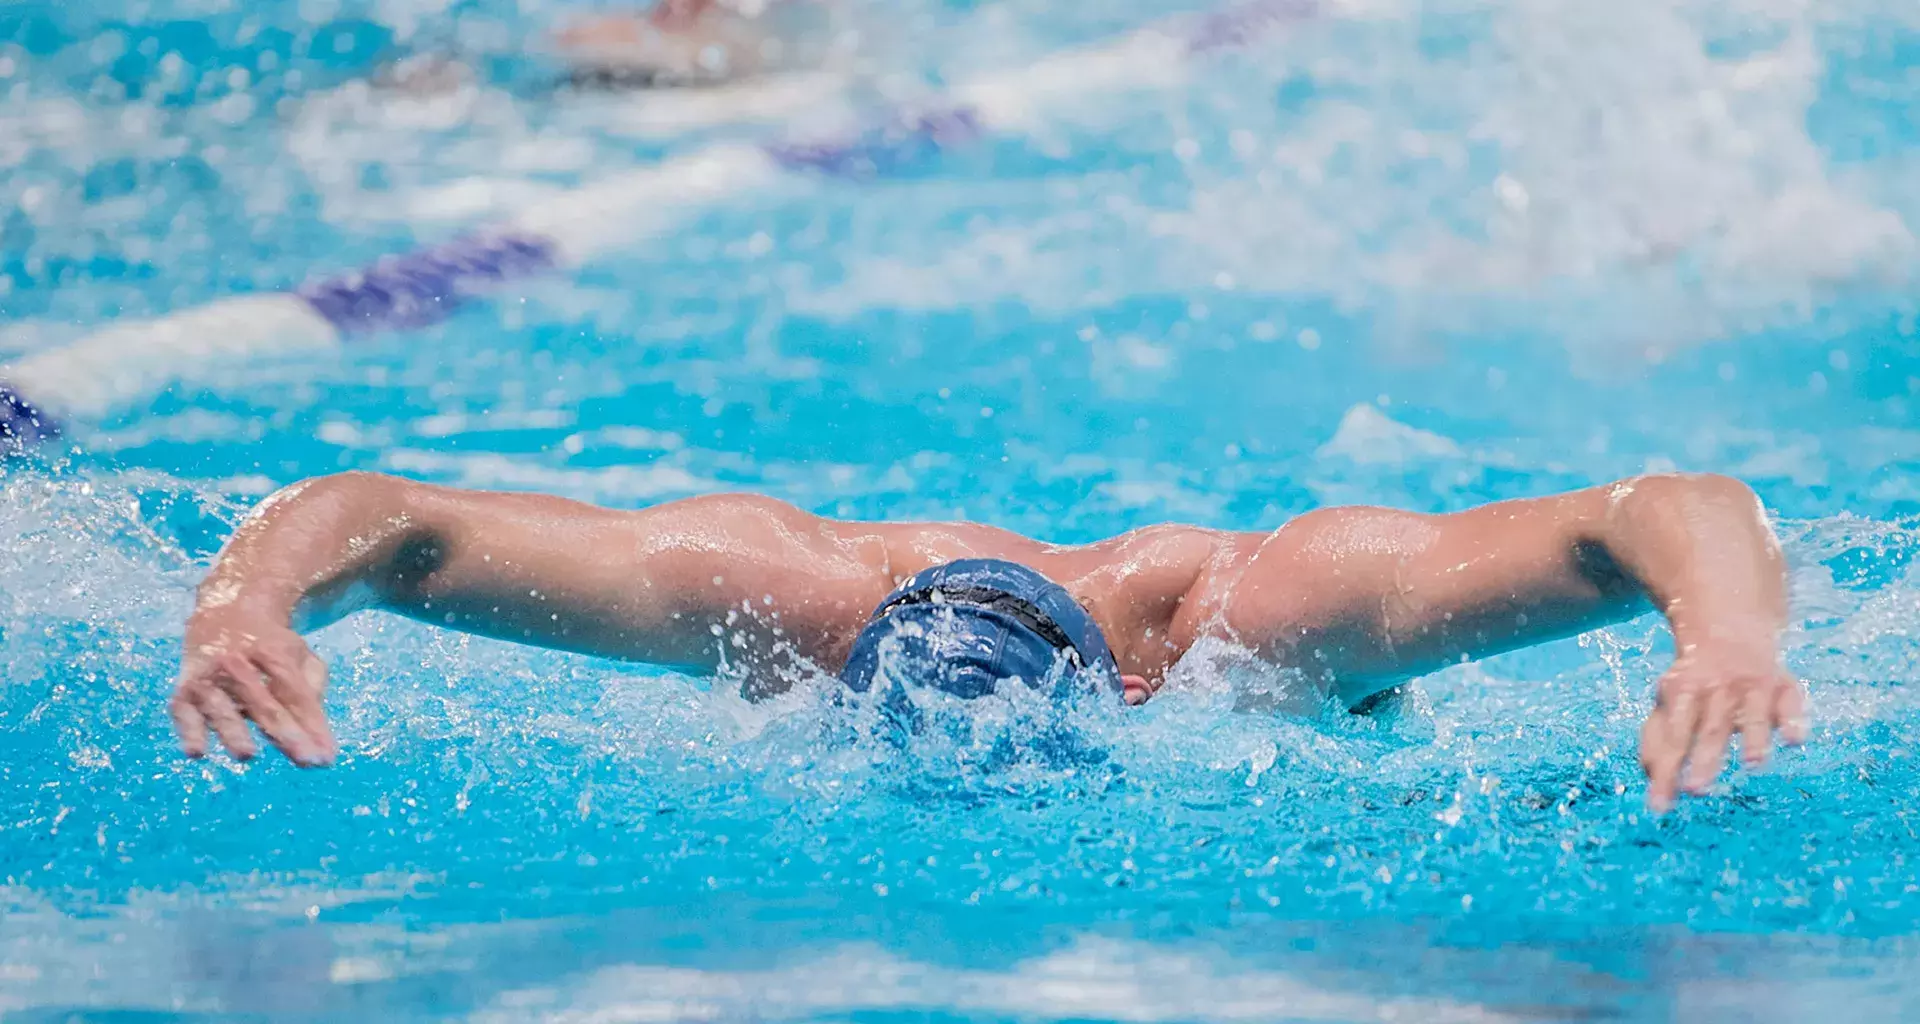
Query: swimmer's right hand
point(240, 668)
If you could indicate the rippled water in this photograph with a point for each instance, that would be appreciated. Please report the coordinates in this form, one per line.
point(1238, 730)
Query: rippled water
point(1425, 257)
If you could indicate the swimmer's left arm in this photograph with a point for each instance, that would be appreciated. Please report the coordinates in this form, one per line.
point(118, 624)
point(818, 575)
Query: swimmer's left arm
point(1398, 594)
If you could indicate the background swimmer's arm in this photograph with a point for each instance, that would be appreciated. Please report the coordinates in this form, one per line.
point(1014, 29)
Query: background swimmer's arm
point(1373, 596)
point(681, 583)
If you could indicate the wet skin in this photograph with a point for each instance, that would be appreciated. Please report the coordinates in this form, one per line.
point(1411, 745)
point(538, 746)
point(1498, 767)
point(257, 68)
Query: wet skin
point(1357, 599)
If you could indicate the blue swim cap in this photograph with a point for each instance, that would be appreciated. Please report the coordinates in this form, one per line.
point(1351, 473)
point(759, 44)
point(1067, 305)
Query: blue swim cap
point(965, 626)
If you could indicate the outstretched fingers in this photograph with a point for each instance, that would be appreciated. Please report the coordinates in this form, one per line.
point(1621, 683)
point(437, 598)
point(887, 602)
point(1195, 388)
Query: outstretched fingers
point(239, 682)
point(246, 684)
point(189, 723)
point(296, 681)
point(1687, 739)
point(1663, 745)
point(1790, 712)
point(1756, 726)
point(1712, 735)
point(228, 724)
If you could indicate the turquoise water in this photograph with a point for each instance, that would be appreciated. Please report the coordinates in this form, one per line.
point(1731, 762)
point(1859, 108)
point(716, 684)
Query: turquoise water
point(1487, 250)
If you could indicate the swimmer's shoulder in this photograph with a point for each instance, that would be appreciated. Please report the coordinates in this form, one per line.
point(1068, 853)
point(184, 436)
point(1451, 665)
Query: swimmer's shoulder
point(1170, 541)
point(1258, 587)
point(1165, 557)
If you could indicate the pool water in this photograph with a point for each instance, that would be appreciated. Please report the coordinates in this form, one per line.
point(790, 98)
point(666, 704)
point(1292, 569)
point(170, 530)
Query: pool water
point(1422, 255)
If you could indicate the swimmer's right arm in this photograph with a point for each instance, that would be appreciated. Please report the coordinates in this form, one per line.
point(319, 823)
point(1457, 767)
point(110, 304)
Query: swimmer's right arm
point(668, 584)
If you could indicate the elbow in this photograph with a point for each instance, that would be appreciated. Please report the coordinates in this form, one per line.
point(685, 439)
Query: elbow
point(1661, 510)
point(352, 485)
point(1721, 489)
point(336, 498)
point(353, 509)
point(386, 514)
point(1715, 491)
point(1702, 507)
point(353, 490)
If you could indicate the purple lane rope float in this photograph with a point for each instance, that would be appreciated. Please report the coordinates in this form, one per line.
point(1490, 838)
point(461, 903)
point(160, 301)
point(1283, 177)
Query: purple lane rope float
point(42, 393)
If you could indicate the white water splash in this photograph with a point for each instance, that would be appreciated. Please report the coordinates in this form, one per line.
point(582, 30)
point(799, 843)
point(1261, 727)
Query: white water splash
point(1636, 176)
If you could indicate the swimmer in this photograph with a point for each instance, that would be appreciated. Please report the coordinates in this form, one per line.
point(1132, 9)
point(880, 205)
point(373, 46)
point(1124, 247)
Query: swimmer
point(1355, 600)
point(697, 42)
point(676, 43)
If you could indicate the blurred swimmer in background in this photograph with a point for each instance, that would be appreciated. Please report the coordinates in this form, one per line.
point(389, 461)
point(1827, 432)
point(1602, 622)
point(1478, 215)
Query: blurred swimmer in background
point(1338, 604)
point(453, 134)
point(676, 44)
point(701, 43)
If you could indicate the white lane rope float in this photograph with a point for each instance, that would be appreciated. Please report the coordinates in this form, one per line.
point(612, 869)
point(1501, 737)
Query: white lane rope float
point(43, 392)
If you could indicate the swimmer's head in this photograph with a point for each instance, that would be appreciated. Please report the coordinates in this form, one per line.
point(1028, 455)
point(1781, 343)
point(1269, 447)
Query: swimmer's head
point(966, 627)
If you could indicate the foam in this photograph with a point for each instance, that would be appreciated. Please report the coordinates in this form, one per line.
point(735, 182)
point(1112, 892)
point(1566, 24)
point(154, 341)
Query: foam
point(1370, 437)
point(1623, 177)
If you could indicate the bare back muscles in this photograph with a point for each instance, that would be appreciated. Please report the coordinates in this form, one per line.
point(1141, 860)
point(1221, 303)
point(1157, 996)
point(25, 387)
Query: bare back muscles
point(1361, 598)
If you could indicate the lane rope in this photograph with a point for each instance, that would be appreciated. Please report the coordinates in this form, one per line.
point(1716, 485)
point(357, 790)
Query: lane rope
point(43, 393)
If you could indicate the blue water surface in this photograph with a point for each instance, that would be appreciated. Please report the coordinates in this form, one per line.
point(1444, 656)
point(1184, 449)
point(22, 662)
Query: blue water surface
point(1412, 254)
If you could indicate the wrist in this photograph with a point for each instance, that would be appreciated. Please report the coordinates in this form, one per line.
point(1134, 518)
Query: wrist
point(1753, 640)
point(222, 597)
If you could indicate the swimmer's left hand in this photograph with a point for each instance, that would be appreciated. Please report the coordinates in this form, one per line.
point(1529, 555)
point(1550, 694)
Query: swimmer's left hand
point(1712, 692)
